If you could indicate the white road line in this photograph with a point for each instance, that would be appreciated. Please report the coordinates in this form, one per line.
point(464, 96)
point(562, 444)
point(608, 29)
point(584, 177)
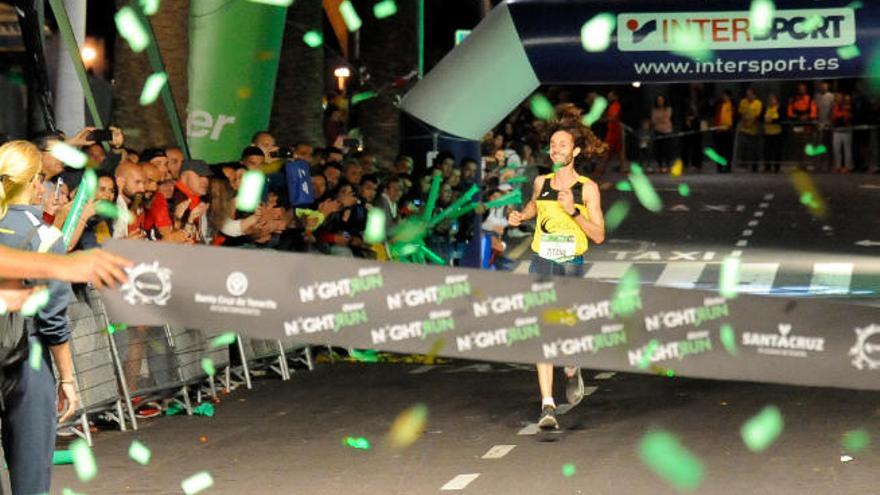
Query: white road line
point(740, 207)
point(764, 205)
point(753, 223)
point(530, 429)
point(611, 270)
point(604, 375)
point(460, 482)
point(768, 197)
point(682, 275)
point(831, 278)
point(742, 243)
point(759, 213)
point(736, 253)
point(747, 233)
point(498, 451)
point(757, 278)
point(422, 369)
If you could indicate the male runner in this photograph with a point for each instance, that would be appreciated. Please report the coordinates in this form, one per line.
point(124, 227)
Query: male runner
point(569, 215)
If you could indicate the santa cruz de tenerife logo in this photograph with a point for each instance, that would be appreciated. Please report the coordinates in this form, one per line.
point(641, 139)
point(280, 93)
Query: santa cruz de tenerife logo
point(866, 352)
point(236, 283)
point(148, 283)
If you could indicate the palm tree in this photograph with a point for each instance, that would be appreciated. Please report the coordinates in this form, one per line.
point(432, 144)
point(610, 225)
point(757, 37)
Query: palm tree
point(296, 109)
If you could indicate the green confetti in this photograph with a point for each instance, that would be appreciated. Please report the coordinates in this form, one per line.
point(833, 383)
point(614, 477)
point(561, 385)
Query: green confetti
point(274, 3)
point(626, 299)
point(856, 440)
point(557, 166)
point(568, 470)
point(250, 191)
point(150, 6)
point(364, 96)
point(111, 328)
point(670, 373)
point(815, 150)
point(856, 5)
point(197, 483)
point(762, 430)
point(374, 233)
point(596, 33)
point(684, 190)
point(597, 109)
point(518, 180)
point(83, 460)
point(432, 256)
point(761, 17)
point(688, 41)
point(848, 52)
point(359, 443)
point(645, 192)
point(69, 155)
point(663, 453)
point(624, 185)
point(541, 107)
point(385, 8)
point(35, 302)
point(616, 215)
point(208, 366)
point(715, 157)
point(68, 491)
point(728, 339)
point(364, 356)
point(153, 87)
point(106, 209)
point(35, 358)
point(728, 281)
point(807, 199)
point(313, 39)
point(350, 16)
point(812, 23)
point(224, 340)
point(139, 453)
point(130, 27)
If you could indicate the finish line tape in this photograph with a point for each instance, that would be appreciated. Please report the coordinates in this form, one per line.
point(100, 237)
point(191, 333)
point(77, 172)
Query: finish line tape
point(491, 316)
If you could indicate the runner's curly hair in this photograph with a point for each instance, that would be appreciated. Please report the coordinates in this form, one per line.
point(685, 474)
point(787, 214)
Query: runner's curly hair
point(569, 118)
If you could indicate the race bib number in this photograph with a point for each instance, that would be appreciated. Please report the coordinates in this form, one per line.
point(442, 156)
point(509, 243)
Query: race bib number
point(557, 247)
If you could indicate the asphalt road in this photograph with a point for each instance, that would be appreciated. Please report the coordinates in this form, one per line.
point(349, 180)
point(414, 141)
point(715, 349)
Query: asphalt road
point(286, 437)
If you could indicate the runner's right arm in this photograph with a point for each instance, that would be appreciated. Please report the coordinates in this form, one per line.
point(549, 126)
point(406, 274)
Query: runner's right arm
point(531, 209)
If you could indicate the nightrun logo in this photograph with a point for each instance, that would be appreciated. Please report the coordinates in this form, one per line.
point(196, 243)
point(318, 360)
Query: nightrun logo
point(732, 30)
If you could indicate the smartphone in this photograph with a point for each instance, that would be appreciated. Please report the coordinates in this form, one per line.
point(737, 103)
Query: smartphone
point(58, 188)
point(101, 135)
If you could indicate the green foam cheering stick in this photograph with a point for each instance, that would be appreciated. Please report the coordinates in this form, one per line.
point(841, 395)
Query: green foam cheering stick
point(84, 193)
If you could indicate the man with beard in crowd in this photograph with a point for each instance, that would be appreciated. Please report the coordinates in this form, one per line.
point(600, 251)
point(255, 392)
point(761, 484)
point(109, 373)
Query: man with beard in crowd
point(157, 222)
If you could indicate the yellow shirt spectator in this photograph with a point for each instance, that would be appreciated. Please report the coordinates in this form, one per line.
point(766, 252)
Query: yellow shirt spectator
point(749, 112)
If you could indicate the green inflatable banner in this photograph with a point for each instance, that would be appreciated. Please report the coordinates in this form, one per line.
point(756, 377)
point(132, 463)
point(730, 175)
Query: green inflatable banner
point(234, 48)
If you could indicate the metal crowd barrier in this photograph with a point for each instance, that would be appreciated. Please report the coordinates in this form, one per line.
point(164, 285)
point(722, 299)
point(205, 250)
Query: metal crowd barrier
point(156, 363)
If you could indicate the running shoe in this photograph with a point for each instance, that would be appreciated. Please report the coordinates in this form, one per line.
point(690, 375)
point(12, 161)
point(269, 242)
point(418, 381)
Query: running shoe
point(574, 387)
point(148, 410)
point(548, 419)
